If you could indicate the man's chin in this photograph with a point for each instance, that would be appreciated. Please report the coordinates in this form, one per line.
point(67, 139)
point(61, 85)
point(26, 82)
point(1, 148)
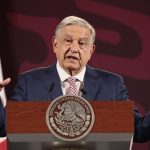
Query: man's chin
point(71, 67)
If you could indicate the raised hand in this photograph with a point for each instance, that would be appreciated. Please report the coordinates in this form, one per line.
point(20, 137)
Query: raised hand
point(4, 83)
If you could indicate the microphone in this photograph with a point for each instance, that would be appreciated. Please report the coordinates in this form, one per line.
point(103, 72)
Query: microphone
point(83, 91)
point(82, 88)
point(51, 87)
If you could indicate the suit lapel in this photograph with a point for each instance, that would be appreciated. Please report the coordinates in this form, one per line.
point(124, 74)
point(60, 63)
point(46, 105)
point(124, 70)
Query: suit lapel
point(92, 84)
point(52, 82)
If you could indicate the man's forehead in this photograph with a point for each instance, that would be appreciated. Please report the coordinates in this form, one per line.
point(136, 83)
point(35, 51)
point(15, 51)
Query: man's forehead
point(71, 36)
point(76, 28)
point(76, 31)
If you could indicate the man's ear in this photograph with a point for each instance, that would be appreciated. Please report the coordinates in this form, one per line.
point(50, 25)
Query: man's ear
point(91, 51)
point(93, 47)
point(54, 43)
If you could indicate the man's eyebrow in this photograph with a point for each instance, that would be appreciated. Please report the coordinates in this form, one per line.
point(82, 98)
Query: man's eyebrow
point(67, 35)
point(84, 38)
point(81, 38)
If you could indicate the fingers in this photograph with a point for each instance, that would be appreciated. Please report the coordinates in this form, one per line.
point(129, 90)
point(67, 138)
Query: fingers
point(4, 83)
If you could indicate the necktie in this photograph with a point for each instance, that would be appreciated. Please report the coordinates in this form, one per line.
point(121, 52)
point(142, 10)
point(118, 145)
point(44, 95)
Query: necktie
point(72, 90)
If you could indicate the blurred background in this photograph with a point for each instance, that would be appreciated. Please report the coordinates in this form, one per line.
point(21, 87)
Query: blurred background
point(122, 43)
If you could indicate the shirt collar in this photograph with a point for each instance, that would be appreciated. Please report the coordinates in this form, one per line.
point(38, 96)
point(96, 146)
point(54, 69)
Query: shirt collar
point(64, 75)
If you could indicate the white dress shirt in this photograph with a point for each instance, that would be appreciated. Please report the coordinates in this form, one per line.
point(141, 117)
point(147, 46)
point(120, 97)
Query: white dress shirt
point(64, 75)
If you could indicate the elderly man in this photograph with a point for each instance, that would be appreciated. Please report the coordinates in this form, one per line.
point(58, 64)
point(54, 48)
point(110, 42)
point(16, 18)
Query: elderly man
point(73, 45)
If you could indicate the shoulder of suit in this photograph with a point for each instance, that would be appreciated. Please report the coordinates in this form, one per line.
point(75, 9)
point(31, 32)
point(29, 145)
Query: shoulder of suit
point(39, 70)
point(105, 73)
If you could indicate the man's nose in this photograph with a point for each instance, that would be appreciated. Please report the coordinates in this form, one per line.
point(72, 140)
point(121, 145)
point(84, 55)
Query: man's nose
point(74, 46)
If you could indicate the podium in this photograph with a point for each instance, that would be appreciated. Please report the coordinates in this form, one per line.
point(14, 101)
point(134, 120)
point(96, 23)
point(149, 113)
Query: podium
point(27, 129)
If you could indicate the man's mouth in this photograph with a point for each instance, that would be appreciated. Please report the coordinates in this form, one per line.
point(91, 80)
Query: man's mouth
point(72, 58)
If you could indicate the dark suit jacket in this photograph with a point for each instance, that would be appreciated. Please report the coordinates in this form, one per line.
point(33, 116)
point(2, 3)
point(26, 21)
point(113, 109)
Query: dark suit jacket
point(44, 84)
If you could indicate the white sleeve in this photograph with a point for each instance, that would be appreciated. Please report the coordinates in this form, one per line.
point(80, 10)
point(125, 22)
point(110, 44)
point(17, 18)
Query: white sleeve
point(2, 92)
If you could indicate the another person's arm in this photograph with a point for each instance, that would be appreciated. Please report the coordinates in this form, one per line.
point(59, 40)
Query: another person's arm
point(2, 109)
point(141, 123)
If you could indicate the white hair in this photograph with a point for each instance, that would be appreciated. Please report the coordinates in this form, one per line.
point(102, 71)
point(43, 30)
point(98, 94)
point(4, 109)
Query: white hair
point(73, 20)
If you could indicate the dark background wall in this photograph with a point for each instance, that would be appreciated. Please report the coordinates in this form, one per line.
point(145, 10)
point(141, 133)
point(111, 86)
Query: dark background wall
point(122, 43)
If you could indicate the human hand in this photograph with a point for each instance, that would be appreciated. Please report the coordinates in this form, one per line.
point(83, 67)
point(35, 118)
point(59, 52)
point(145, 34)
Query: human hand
point(4, 83)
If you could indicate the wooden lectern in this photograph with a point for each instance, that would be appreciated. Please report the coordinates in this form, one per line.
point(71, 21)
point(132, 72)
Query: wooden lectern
point(27, 129)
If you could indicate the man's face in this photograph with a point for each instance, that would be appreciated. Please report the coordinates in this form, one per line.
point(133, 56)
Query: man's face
point(73, 47)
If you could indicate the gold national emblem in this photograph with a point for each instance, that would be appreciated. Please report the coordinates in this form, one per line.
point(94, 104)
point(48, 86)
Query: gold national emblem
point(70, 118)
